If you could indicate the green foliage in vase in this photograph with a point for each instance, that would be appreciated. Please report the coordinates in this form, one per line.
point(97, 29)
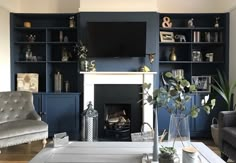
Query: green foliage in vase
point(175, 95)
point(223, 88)
point(81, 50)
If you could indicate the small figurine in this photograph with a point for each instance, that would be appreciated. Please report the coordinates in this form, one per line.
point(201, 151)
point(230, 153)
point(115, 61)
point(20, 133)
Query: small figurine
point(190, 23)
point(92, 66)
point(31, 37)
point(28, 53)
point(151, 57)
point(144, 68)
point(72, 22)
point(65, 55)
point(180, 38)
point(217, 22)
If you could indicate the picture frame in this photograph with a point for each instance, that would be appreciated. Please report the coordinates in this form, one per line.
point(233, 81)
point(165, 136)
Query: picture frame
point(203, 83)
point(167, 36)
point(27, 82)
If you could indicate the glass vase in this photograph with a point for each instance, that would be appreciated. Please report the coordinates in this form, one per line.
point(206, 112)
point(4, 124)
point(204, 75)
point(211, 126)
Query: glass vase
point(179, 130)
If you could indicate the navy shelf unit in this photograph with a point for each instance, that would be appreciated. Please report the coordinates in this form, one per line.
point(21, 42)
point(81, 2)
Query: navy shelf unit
point(203, 22)
point(47, 45)
point(59, 110)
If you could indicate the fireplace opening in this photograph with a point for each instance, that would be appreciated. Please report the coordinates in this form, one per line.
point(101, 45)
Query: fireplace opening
point(119, 113)
point(117, 121)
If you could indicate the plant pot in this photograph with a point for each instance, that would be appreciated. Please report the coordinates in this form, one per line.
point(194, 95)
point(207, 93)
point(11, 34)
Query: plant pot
point(179, 129)
point(173, 159)
point(215, 131)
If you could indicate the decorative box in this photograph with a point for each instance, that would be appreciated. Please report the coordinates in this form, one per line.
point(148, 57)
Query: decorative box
point(27, 82)
point(60, 139)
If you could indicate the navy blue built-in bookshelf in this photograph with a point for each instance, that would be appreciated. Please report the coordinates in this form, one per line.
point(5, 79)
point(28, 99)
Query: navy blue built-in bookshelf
point(48, 48)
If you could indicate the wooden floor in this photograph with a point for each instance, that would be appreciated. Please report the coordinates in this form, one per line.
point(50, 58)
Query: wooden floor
point(25, 152)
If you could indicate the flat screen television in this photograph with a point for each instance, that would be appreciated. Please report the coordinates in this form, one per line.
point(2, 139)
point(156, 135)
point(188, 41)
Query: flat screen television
point(116, 39)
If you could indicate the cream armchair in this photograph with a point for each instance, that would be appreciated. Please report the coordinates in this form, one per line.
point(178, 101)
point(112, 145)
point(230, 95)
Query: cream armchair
point(19, 122)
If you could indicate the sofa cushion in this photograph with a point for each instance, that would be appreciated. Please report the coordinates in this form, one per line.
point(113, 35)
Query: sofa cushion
point(22, 127)
point(229, 134)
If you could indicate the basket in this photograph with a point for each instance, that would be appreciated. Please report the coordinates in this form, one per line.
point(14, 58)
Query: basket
point(143, 136)
point(215, 131)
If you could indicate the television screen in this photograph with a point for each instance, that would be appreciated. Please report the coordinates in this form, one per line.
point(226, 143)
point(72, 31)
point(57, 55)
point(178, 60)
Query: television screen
point(116, 39)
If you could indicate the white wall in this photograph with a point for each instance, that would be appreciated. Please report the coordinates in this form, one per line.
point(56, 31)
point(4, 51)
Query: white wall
point(188, 6)
point(4, 50)
point(165, 6)
point(118, 5)
point(49, 6)
point(10, 5)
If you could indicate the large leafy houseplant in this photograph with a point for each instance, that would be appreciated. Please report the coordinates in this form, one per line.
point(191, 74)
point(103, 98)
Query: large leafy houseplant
point(223, 88)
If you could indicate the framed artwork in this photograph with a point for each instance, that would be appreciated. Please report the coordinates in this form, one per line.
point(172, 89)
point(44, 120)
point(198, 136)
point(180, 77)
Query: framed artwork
point(202, 83)
point(27, 82)
point(167, 36)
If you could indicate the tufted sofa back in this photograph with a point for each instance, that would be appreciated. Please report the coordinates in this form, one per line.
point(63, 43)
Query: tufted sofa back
point(15, 105)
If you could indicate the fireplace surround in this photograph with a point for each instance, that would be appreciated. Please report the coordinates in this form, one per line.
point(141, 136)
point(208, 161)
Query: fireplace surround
point(118, 78)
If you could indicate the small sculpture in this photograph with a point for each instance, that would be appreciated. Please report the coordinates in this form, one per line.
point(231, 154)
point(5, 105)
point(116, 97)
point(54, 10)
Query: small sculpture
point(166, 22)
point(217, 22)
point(180, 38)
point(31, 37)
point(190, 23)
point(72, 22)
point(65, 55)
point(151, 57)
point(144, 68)
point(92, 66)
point(28, 53)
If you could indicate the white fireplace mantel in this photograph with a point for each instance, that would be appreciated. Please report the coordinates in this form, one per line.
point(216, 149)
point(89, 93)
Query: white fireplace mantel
point(93, 78)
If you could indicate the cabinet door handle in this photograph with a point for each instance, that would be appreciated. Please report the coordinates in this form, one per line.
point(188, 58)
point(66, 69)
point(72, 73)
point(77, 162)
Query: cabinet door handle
point(44, 113)
point(40, 113)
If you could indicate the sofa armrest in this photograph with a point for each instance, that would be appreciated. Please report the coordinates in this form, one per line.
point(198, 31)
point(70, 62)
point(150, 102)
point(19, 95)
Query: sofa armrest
point(33, 115)
point(225, 119)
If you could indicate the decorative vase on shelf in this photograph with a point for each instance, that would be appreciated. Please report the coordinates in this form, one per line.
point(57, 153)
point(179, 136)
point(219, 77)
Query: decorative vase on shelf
point(172, 56)
point(84, 65)
point(179, 130)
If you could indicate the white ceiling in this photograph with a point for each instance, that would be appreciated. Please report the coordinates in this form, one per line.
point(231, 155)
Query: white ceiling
point(175, 6)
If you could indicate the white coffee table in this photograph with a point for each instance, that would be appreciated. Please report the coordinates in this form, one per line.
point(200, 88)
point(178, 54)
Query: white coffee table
point(110, 152)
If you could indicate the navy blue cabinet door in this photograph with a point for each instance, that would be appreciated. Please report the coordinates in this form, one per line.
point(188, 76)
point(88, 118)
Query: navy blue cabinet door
point(201, 123)
point(62, 114)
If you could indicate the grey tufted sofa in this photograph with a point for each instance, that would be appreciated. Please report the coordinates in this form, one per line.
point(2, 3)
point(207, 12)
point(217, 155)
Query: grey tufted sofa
point(19, 122)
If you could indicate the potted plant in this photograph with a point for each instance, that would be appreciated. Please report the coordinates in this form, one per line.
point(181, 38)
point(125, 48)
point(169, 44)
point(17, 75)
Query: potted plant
point(82, 53)
point(174, 96)
point(225, 90)
point(168, 155)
